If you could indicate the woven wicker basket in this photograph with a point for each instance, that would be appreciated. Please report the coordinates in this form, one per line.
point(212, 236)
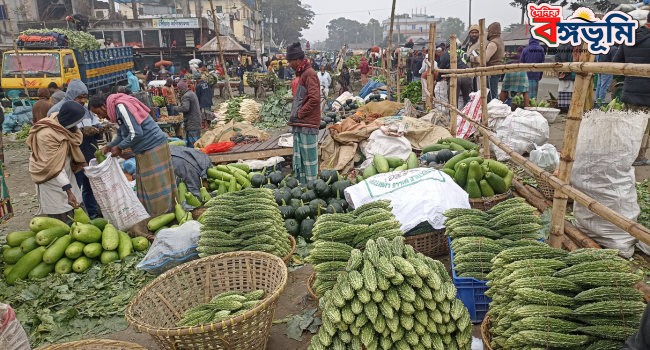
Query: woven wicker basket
point(485, 333)
point(310, 282)
point(430, 244)
point(486, 203)
point(544, 188)
point(552, 103)
point(198, 211)
point(94, 344)
point(287, 259)
point(159, 306)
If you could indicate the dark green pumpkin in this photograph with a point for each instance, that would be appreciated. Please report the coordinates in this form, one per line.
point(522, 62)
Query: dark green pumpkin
point(306, 227)
point(292, 227)
point(308, 196)
point(340, 186)
point(276, 176)
point(314, 204)
point(329, 175)
point(322, 188)
point(298, 191)
point(340, 201)
point(282, 195)
point(302, 213)
point(258, 180)
point(269, 185)
point(443, 156)
point(295, 203)
point(323, 124)
point(334, 209)
point(290, 182)
point(286, 211)
point(310, 185)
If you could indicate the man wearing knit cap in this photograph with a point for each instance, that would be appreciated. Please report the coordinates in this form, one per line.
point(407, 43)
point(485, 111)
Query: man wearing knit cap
point(191, 110)
point(470, 44)
point(305, 116)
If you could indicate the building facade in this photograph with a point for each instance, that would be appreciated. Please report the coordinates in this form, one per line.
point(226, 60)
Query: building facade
point(412, 26)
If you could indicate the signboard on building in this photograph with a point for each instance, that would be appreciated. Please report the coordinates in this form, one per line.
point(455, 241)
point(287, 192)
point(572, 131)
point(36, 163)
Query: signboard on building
point(175, 23)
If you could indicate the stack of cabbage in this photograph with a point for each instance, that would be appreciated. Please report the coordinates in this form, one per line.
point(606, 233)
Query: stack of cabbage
point(76, 39)
point(336, 235)
point(546, 298)
point(477, 236)
point(389, 297)
point(246, 220)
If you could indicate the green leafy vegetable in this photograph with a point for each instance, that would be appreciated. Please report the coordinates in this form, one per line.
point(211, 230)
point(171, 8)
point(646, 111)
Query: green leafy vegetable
point(413, 92)
point(271, 113)
point(76, 40)
point(24, 132)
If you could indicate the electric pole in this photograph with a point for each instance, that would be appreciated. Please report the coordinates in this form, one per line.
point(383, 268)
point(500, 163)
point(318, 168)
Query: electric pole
point(470, 13)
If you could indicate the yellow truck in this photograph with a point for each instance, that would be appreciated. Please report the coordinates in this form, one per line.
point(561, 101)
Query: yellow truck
point(98, 69)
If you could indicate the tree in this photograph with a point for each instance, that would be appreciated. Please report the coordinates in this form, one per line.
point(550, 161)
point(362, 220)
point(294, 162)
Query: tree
point(293, 17)
point(511, 27)
point(453, 25)
point(342, 31)
point(603, 6)
point(523, 4)
point(373, 31)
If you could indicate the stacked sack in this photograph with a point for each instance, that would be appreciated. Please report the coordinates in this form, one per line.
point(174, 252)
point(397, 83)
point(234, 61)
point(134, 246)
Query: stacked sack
point(336, 235)
point(478, 236)
point(389, 297)
point(544, 297)
point(246, 220)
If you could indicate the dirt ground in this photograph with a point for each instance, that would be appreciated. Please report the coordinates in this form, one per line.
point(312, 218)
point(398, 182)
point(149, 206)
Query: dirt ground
point(294, 299)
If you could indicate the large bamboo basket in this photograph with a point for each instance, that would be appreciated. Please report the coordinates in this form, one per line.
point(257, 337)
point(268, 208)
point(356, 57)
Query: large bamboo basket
point(287, 259)
point(159, 306)
point(94, 344)
point(310, 282)
point(486, 203)
point(430, 244)
point(485, 333)
point(544, 187)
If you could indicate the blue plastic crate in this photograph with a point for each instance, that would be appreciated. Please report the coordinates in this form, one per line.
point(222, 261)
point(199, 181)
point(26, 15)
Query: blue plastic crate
point(471, 292)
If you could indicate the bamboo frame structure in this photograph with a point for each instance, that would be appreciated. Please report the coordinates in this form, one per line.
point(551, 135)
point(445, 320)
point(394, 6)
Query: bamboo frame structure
point(223, 62)
point(397, 83)
point(389, 54)
point(583, 83)
point(484, 93)
point(432, 54)
point(453, 63)
point(633, 228)
point(627, 69)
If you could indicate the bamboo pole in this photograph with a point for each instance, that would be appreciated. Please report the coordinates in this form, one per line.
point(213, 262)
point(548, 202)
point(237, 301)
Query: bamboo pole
point(574, 118)
point(484, 93)
point(432, 58)
point(223, 62)
point(389, 54)
point(453, 63)
point(633, 228)
point(627, 69)
point(13, 38)
point(399, 92)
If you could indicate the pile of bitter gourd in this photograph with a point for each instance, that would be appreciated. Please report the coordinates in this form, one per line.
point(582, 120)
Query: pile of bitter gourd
point(547, 298)
point(246, 220)
point(477, 236)
point(223, 306)
point(389, 297)
point(336, 235)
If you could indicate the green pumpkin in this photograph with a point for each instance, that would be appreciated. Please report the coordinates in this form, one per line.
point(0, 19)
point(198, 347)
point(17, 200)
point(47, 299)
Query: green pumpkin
point(302, 213)
point(292, 227)
point(286, 211)
point(306, 227)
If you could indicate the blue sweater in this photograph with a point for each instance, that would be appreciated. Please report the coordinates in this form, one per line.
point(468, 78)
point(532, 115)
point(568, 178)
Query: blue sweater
point(138, 137)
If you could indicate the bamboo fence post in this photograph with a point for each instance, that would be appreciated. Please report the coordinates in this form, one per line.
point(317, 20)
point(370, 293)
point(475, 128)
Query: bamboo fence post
point(574, 118)
point(13, 38)
point(389, 54)
point(399, 93)
point(632, 227)
point(484, 93)
point(223, 63)
point(627, 69)
point(452, 84)
point(432, 58)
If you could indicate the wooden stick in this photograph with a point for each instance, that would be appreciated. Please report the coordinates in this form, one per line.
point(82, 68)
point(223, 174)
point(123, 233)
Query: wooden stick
point(432, 54)
point(574, 117)
point(629, 226)
point(453, 62)
point(569, 244)
point(642, 286)
point(484, 92)
point(223, 62)
point(13, 38)
point(399, 92)
point(627, 69)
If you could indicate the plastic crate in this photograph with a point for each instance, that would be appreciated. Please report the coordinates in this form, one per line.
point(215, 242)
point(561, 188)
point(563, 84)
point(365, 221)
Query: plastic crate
point(470, 291)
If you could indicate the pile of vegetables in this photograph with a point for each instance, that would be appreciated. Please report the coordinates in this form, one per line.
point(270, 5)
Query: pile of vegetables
point(223, 306)
point(51, 245)
point(477, 236)
point(242, 109)
point(76, 39)
point(209, 78)
point(353, 61)
point(544, 297)
point(479, 177)
point(336, 236)
point(389, 297)
point(413, 92)
point(271, 112)
point(229, 178)
point(379, 79)
point(381, 164)
point(271, 80)
point(533, 103)
point(614, 104)
point(330, 118)
point(402, 81)
point(159, 101)
point(24, 132)
point(246, 220)
point(375, 98)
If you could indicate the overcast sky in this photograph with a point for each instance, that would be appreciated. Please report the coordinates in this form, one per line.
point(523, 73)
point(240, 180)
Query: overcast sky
point(327, 10)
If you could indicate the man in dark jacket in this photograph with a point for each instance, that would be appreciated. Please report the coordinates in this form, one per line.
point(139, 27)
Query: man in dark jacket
point(463, 84)
point(533, 53)
point(417, 64)
point(604, 80)
point(204, 94)
point(305, 116)
point(635, 89)
point(565, 88)
point(191, 110)
point(409, 68)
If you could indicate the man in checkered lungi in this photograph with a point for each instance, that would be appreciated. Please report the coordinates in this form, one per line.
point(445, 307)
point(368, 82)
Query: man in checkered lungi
point(565, 87)
point(533, 53)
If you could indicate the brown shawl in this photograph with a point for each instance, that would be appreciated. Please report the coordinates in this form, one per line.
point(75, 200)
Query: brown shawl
point(51, 144)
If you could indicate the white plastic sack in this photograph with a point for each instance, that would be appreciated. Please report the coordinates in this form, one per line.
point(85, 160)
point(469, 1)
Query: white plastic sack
point(12, 334)
point(608, 143)
point(545, 157)
point(286, 140)
point(441, 92)
point(416, 195)
point(472, 110)
point(337, 104)
point(261, 164)
point(172, 247)
point(387, 146)
point(497, 112)
point(521, 130)
point(114, 194)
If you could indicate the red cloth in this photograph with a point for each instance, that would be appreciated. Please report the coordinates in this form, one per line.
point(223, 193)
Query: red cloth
point(294, 85)
point(138, 109)
point(363, 66)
